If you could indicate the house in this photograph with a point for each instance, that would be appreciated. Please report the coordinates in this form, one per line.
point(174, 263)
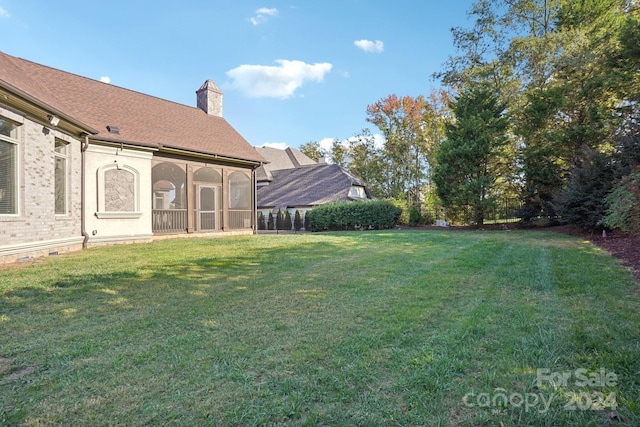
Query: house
point(292, 181)
point(85, 163)
point(288, 158)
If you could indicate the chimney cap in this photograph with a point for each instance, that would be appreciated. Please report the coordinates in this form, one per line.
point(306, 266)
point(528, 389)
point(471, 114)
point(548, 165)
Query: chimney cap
point(209, 85)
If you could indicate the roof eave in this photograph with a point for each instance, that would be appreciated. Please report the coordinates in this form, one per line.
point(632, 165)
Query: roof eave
point(39, 110)
point(218, 157)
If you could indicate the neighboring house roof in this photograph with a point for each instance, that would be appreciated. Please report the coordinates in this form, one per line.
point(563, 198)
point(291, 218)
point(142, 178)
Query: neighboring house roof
point(280, 159)
point(284, 159)
point(307, 186)
point(142, 119)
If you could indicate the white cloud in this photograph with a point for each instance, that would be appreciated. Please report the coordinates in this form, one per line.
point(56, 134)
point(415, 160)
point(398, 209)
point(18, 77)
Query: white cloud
point(278, 145)
point(370, 46)
point(4, 12)
point(326, 144)
point(262, 15)
point(281, 81)
point(105, 79)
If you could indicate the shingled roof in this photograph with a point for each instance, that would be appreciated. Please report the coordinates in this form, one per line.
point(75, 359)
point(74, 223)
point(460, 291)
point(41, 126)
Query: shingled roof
point(142, 119)
point(280, 159)
point(307, 186)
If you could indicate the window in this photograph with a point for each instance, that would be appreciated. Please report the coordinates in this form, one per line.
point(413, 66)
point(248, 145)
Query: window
point(8, 167)
point(118, 192)
point(239, 191)
point(357, 192)
point(61, 168)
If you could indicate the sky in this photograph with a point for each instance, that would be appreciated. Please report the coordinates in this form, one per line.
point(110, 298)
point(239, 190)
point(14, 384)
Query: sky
point(291, 71)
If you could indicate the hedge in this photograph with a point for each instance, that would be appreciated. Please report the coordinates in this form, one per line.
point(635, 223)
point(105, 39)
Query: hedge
point(374, 214)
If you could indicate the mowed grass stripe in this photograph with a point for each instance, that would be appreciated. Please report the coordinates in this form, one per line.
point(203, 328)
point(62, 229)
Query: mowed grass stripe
point(370, 328)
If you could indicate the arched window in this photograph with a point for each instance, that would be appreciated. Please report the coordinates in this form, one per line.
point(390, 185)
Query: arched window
point(169, 186)
point(239, 191)
point(207, 174)
point(118, 192)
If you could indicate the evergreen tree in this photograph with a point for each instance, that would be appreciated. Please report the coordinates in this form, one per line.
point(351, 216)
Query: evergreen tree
point(307, 220)
point(286, 224)
point(261, 224)
point(271, 224)
point(471, 157)
point(279, 220)
point(297, 221)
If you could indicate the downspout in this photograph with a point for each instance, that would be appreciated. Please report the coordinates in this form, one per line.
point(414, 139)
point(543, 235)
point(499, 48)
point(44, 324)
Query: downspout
point(83, 208)
point(255, 201)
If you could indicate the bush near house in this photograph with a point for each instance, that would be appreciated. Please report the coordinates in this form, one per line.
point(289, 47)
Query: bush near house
point(297, 221)
point(261, 224)
point(287, 220)
point(279, 220)
point(376, 214)
point(271, 224)
point(404, 210)
point(307, 221)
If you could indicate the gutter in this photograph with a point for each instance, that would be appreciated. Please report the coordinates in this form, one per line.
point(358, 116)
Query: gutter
point(254, 188)
point(178, 151)
point(83, 207)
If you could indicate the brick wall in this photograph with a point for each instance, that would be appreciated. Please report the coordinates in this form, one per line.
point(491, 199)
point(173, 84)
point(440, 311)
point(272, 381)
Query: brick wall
point(36, 229)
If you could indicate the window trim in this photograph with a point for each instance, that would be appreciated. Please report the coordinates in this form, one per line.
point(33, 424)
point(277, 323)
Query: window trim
point(65, 156)
point(17, 165)
point(101, 213)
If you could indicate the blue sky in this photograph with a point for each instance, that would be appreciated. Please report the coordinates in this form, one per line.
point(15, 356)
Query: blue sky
point(291, 71)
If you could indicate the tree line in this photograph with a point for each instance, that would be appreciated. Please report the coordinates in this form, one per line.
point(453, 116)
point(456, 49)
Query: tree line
point(539, 103)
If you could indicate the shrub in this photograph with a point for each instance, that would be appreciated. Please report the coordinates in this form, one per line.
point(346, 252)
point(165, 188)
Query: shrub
point(415, 217)
point(375, 214)
point(286, 225)
point(623, 204)
point(270, 223)
point(297, 221)
point(402, 205)
point(428, 218)
point(279, 220)
point(582, 202)
point(307, 221)
point(261, 224)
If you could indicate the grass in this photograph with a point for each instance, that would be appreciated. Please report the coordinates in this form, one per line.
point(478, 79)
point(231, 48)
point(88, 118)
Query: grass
point(342, 329)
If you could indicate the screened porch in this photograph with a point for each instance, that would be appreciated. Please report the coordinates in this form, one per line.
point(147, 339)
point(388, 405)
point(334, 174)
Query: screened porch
point(189, 197)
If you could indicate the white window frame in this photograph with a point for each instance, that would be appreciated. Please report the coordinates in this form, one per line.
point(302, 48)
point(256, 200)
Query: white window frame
point(102, 213)
point(360, 190)
point(64, 156)
point(16, 143)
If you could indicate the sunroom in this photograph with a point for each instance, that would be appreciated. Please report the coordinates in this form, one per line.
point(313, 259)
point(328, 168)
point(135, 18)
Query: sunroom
point(191, 197)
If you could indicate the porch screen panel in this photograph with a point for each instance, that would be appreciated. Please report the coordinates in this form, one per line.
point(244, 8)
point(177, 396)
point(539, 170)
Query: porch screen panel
point(207, 208)
point(169, 198)
point(239, 200)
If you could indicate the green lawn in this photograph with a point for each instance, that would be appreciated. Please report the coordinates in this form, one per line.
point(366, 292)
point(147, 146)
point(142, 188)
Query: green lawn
point(395, 328)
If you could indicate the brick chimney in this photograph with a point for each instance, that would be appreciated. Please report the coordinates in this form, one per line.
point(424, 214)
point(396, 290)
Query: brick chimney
point(209, 98)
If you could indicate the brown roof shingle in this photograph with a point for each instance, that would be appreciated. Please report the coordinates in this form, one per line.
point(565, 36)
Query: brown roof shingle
point(309, 185)
point(142, 119)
